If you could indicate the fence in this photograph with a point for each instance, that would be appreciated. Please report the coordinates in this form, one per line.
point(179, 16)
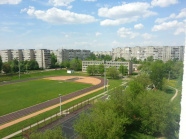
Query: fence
point(26, 131)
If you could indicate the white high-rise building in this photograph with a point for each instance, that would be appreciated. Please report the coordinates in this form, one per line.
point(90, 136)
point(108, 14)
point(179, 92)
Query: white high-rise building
point(69, 54)
point(17, 54)
point(43, 58)
point(6, 55)
point(163, 53)
point(28, 54)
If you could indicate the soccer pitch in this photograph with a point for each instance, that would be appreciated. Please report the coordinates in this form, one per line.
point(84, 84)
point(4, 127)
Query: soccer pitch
point(21, 95)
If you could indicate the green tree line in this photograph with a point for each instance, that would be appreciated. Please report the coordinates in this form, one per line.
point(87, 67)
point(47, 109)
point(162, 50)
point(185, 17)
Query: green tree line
point(135, 109)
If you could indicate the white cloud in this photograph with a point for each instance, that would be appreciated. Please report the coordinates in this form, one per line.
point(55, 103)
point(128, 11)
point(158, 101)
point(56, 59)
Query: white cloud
point(10, 1)
point(60, 2)
point(147, 36)
point(58, 16)
point(179, 26)
point(165, 25)
point(182, 14)
point(90, 0)
point(109, 22)
point(98, 34)
point(127, 33)
point(138, 26)
point(163, 3)
point(125, 13)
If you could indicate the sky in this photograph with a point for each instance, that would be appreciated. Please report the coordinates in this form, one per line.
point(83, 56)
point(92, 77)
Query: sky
point(96, 25)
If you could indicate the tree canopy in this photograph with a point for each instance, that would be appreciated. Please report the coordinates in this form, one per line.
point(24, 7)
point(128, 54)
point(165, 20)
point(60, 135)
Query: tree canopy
point(113, 72)
point(1, 64)
point(135, 109)
point(76, 64)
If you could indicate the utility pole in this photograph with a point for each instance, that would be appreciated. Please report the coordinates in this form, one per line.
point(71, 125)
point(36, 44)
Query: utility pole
point(104, 77)
point(60, 103)
point(19, 69)
point(107, 85)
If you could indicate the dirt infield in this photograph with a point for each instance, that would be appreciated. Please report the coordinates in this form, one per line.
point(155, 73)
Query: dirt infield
point(10, 119)
point(82, 79)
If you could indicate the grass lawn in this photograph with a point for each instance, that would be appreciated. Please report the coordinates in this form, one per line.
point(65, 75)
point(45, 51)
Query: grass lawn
point(39, 74)
point(17, 96)
point(112, 82)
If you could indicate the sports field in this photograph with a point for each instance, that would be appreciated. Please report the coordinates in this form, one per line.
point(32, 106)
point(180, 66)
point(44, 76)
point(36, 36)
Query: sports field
point(20, 95)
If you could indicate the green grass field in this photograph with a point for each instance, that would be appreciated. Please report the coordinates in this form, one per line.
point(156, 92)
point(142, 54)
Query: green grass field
point(17, 96)
point(112, 82)
point(39, 74)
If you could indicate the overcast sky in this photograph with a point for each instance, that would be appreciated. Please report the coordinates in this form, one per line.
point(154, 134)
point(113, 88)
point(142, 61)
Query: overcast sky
point(97, 25)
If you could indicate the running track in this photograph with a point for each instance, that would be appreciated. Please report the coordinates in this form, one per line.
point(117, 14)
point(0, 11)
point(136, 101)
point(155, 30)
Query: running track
point(15, 115)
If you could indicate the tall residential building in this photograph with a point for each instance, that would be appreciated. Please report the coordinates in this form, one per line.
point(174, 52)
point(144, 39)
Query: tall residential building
point(28, 54)
point(108, 64)
point(43, 58)
point(69, 54)
point(97, 53)
point(6, 55)
point(17, 54)
point(163, 53)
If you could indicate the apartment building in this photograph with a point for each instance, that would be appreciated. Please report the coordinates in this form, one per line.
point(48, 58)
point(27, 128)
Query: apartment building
point(6, 55)
point(163, 53)
point(28, 54)
point(98, 53)
point(107, 64)
point(17, 54)
point(69, 54)
point(42, 56)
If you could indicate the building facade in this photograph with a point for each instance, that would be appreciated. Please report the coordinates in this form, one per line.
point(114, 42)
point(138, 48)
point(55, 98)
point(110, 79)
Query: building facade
point(98, 53)
point(69, 54)
point(107, 64)
point(163, 53)
point(42, 56)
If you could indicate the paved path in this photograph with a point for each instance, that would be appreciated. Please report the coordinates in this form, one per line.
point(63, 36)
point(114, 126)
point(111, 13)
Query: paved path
point(174, 94)
point(15, 115)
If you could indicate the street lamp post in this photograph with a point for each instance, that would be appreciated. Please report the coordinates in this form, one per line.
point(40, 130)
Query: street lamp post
point(104, 76)
point(107, 85)
point(60, 103)
point(19, 69)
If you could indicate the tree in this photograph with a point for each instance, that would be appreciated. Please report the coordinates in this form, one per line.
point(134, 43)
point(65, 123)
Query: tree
point(53, 60)
point(156, 114)
point(113, 72)
point(33, 65)
point(66, 64)
point(91, 57)
point(6, 68)
point(1, 64)
point(92, 69)
point(150, 58)
point(134, 60)
point(101, 122)
point(76, 64)
point(123, 70)
point(101, 69)
point(56, 133)
point(157, 74)
point(14, 65)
